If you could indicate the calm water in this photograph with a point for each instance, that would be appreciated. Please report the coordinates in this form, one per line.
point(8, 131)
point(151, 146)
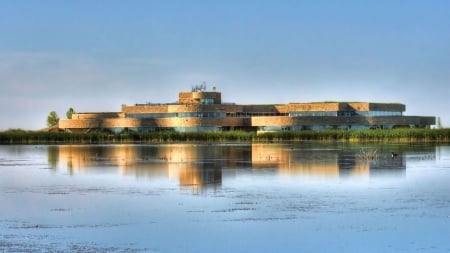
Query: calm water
point(302, 197)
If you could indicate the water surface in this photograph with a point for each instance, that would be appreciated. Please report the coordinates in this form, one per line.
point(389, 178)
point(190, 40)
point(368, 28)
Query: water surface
point(295, 197)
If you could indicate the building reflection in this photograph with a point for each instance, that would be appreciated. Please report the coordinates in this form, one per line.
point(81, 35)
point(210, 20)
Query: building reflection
point(201, 167)
point(196, 167)
point(326, 162)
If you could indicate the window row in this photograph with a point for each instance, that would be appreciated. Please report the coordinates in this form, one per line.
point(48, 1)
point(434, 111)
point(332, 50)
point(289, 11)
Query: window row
point(178, 115)
point(256, 114)
point(344, 113)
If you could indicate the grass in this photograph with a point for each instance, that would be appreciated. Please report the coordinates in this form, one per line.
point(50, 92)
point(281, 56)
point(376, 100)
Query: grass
point(18, 136)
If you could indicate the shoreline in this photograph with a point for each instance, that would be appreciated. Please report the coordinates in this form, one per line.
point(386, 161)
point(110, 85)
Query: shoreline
point(24, 137)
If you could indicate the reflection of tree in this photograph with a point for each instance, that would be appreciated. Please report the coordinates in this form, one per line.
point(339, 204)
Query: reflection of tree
point(53, 156)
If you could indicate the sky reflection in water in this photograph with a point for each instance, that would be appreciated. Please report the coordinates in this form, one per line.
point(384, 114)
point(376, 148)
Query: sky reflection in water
point(225, 198)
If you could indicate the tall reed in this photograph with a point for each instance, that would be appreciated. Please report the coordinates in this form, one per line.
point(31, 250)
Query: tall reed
point(395, 135)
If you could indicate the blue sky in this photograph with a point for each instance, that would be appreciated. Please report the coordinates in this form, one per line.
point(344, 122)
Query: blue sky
point(98, 55)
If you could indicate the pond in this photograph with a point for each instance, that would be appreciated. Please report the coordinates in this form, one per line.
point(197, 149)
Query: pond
point(290, 197)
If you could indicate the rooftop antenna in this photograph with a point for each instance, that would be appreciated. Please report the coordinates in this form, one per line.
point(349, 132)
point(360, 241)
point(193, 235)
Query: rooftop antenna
point(199, 87)
point(203, 86)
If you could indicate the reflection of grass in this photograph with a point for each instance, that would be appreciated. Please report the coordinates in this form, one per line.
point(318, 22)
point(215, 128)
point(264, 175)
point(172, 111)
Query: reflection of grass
point(397, 135)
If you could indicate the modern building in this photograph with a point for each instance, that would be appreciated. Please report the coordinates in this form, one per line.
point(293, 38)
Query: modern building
point(201, 110)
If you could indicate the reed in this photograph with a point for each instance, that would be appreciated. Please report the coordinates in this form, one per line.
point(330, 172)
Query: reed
point(18, 136)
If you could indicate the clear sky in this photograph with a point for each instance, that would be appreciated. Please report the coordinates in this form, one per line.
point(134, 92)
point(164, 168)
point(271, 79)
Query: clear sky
point(97, 55)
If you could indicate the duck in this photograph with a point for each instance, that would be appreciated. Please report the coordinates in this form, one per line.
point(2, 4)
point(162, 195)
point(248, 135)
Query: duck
point(394, 154)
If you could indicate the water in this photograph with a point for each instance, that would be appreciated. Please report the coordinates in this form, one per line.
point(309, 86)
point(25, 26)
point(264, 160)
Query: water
point(296, 197)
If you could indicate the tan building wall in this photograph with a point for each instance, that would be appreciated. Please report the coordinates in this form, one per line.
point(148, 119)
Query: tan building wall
point(204, 108)
point(345, 106)
point(330, 120)
point(101, 115)
point(239, 115)
point(144, 109)
point(195, 97)
point(79, 123)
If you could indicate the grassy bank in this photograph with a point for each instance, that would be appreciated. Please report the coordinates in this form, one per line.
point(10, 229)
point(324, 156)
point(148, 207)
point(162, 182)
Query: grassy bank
point(394, 135)
point(32, 137)
point(391, 135)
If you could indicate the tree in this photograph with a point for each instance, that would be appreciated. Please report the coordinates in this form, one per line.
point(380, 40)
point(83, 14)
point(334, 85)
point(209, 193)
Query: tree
point(52, 119)
point(70, 112)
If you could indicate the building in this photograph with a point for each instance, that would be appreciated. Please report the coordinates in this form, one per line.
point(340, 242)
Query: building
point(201, 110)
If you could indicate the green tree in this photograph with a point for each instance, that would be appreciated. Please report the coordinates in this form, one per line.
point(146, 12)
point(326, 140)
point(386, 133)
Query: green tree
point(52, 119)
point(70, 112)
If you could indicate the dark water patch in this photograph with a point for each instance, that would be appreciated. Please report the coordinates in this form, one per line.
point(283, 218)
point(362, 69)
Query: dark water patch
point(265, 219)
point(20, 190)
point(79, 190)
point(57, 193)
point(101, 225)
point(61, 210)
point(234, 210)
point(195, 211)
point(33, 243)
point(15, 164)
point(21, 162)
point(246, 203)
point(33, 226)
point(303, 207)
point(94, 248)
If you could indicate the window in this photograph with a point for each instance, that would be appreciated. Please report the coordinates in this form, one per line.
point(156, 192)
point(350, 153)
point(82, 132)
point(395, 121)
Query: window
point(202, 114)
point(379, 113)
point(313, 114)
point(207, 101)
point(151, 115)
point(347, 113)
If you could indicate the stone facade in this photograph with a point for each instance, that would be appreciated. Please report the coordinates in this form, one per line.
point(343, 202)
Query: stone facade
point(199, 97)
point(204, 111)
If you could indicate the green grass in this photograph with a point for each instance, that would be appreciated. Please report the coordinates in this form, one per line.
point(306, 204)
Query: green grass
point(18, 136)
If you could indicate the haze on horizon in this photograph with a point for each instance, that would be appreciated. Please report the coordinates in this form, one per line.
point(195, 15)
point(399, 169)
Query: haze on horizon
point(98, 55)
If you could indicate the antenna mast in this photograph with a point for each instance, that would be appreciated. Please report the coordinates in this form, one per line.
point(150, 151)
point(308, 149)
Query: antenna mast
point(199, 88)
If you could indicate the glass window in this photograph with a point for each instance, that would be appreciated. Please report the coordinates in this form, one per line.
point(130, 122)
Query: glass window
point(151, 115)
point(313, 114)
point(207, 101)
point(379, 113)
